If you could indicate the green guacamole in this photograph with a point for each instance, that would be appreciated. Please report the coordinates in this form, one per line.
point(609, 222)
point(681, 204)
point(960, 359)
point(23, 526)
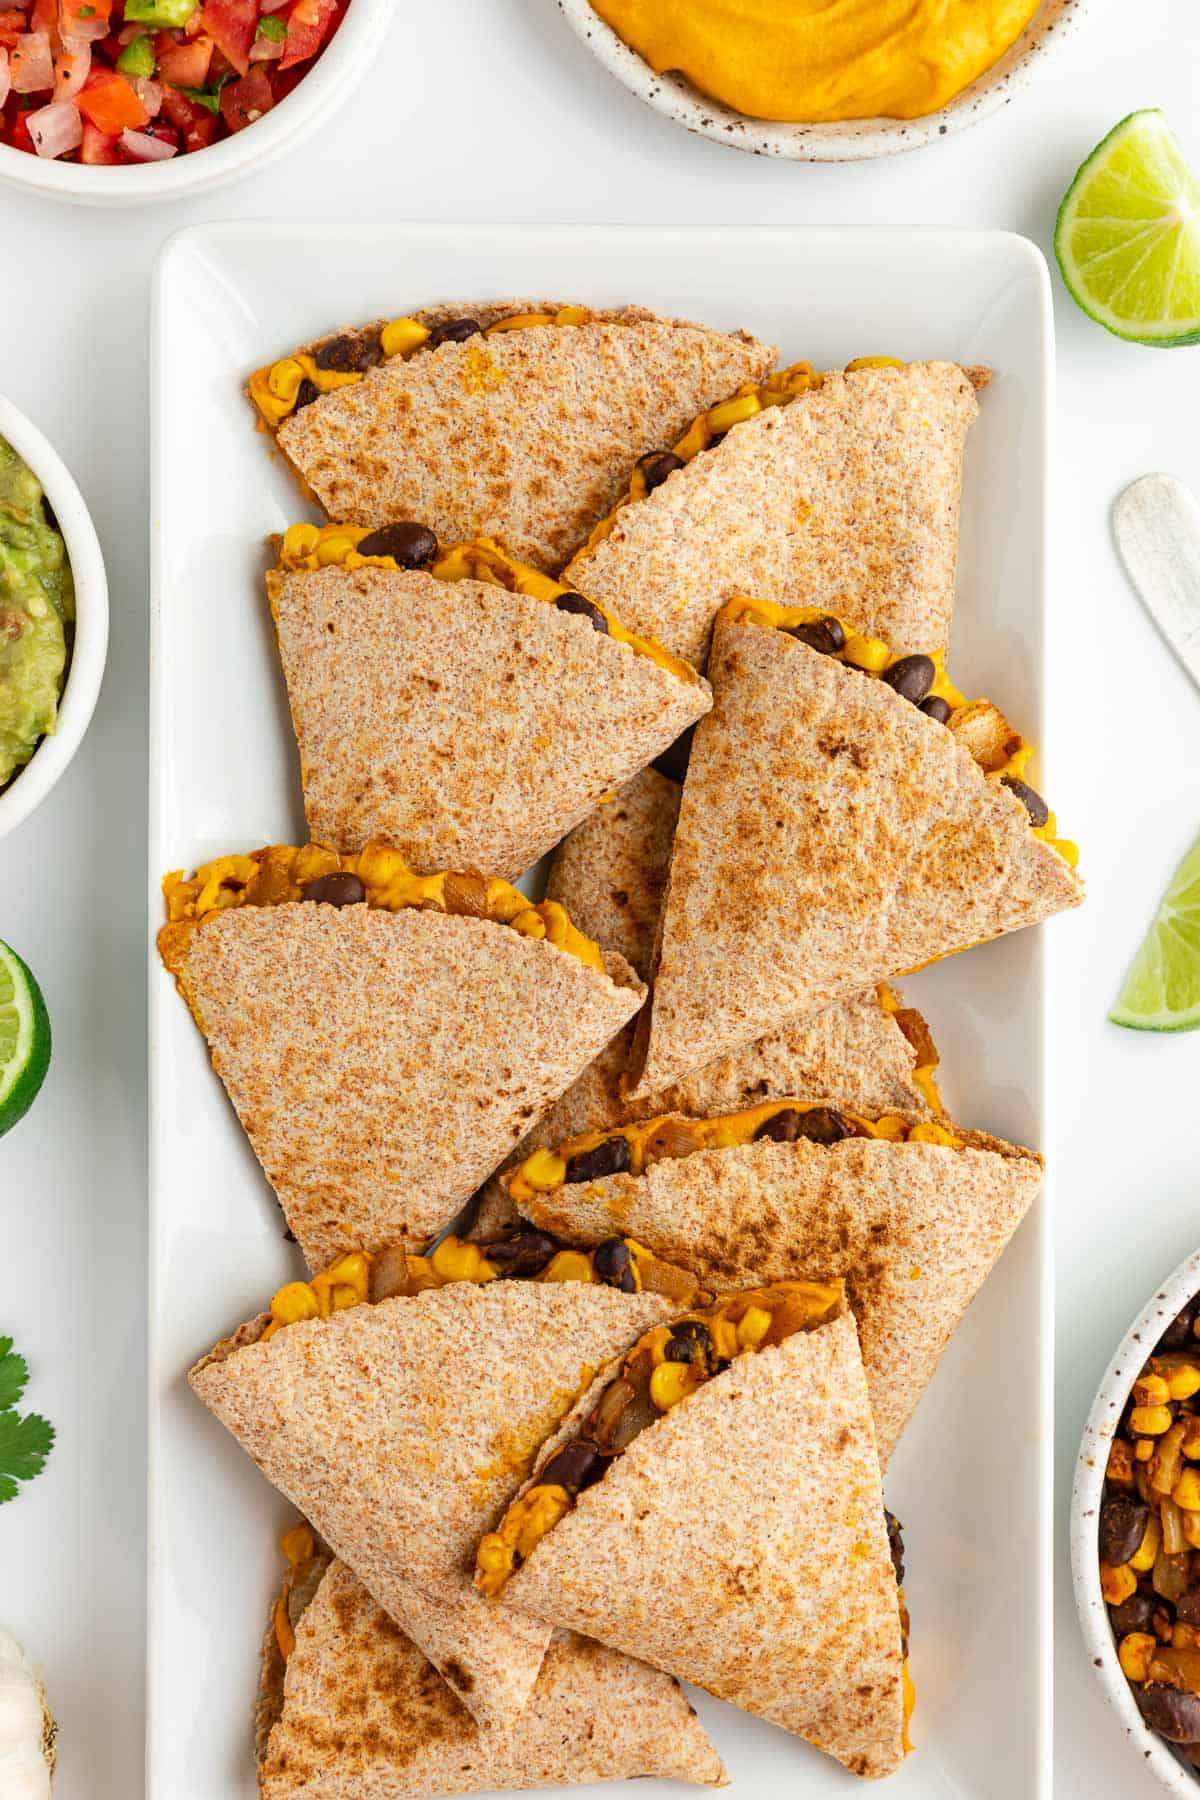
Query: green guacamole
point(37, 614)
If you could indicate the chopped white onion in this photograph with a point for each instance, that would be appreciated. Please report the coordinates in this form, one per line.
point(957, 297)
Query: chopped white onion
point(265, 49)
point(32, 66)
point(149, 93)
point(89, 29)
point(56, 128)
point(71, 69)
point(145, 148)
point(5, 77)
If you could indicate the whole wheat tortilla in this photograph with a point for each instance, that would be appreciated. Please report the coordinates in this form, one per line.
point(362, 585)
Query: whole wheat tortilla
point(528, 436)
point(831, 835)
point(846, 498)
point(383, 1063)
point(363, 1716)
point(612, 869)
point(913, 1229)
point(740, 1543)
point(402, 1430)
point(466, 726)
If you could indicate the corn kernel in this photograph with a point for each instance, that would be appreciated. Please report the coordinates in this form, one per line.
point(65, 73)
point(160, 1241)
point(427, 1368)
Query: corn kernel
point(454, 1260)
point(518, 322)
point(1136, 1649)
point(354, 1270)
point(295, 1301)
point(543, 1170)
point(1120, 1463)
point(569, 1265)
point(334, 549)
point(284, 378)
point(400, 337)
point(1117, 1583)
point(732, 412)
point(870, 653)
point(299, 541)
point(1143, 1557)
point(1143, 1450)
point(1184, 1637)
point(1150, 1421)
point(1190, 1522)
point(670, 1383)
point(1183, 1381)
point(572, 315)
point(1151, 1390)
point(753, 1327)
point(1186, 1492)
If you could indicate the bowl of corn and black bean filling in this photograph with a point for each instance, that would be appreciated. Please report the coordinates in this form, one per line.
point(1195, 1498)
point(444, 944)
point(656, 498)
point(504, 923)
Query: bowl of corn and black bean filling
point(1135, 1532)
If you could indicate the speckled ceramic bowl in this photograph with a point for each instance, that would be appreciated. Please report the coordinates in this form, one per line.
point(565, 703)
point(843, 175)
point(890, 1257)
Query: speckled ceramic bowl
point(1153, 1752)
point(851, 140)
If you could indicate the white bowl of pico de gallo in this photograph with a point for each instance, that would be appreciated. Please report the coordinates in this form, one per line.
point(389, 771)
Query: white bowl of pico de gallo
point(121, 101)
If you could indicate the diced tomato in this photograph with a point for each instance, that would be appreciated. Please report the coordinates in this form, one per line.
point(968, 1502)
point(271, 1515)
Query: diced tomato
point(308, 23)
point(196, 124)
point(12, 24)
point(185, 64)
point(246, 100)
point(220, 68)
point(72, 11)
point(44, 17)
point(98, 146)
point(110, 103)
point(232, 24)
point(16, 133)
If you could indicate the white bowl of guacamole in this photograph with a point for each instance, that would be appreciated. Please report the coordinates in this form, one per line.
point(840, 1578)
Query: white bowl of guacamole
point(822, 80)
point(53, 617)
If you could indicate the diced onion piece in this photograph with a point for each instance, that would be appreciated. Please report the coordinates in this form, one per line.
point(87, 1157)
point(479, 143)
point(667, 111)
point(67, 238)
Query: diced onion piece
point(56, 128)
point(5, 75)
point(265, 49)
point(71, 69)
point(145, 148)
point(149, 93)
point(32, 66)
point(90, 29)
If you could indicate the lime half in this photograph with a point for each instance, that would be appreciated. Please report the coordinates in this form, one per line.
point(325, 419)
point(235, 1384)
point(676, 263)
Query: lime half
point(1162, 989)
point(1128, 235)
point(24, 1039)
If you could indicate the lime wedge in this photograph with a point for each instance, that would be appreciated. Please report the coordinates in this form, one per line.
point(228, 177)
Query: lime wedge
point(24, 1039)
point(1128, 235)
point(1162, 988)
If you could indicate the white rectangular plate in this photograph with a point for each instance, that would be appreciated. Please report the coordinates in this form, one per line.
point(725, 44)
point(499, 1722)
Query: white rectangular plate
point(971, 1480)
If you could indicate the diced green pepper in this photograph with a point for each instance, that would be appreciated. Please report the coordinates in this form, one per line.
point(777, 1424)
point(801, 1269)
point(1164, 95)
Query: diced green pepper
point(166, 14)
point(137, 58)
point(273, 27)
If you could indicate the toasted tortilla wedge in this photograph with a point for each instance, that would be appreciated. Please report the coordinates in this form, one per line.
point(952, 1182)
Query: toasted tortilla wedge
point(740, 1543)
point(846, 498)
point(468, 726)
point(359, 1714)
point(401, 1429)
point(914, 1229)
point(831, 835)
point(526, 435)
point(382, 1063)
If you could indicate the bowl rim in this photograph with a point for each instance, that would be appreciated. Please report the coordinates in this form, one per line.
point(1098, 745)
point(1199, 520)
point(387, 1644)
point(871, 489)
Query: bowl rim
point(1137, 1344)
point(848, 140)
point(88, 655)
point(338, 69)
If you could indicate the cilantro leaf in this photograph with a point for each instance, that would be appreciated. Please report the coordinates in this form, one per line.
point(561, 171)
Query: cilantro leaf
point(25, 1443)
point(14, 1373)
point(209, 97)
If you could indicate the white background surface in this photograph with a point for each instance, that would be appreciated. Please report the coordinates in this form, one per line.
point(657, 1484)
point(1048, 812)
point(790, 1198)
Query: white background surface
point(489, 109)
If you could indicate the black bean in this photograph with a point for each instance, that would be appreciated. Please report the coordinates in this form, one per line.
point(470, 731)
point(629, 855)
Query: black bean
point(825, 635)
point(691, 1342)
point(614, 1265)
point(339, 889)
point(673, 763)
point(911, 677)
point(576, 1466)
point(657, 467)
point(1169, 1711)
point(1122, 1527)
point(412, 546)
point(936, 708)
point(895, 1533)
point(587, 609)
point(1179, 1332)
point(351, 354)
point(1187, 1607)
point(524, 1253)
point(820, 1125)
point(1133, 1614)
point(306, 393)
point(1033, 803)
point(610, 1157)
point(454, 331)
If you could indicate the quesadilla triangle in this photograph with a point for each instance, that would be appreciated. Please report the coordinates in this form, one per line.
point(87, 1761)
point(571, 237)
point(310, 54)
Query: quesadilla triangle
point(400, 1416)
point(911, 1216)
point(469, 711)
point(836, 490)
point(713, 1506)
point(385, 1038)
point(351, 1710)
point(511, 419)
point(885, 818)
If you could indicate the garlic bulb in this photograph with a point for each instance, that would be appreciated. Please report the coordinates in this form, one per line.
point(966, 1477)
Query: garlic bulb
point(27, 1728)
